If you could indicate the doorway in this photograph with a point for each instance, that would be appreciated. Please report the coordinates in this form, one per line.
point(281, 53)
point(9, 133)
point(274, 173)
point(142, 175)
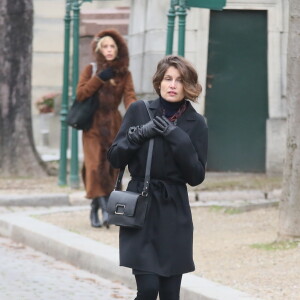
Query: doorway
point(236, 105)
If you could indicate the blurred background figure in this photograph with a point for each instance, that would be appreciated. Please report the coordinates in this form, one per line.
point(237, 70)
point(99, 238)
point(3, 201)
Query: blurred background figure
point(111, 83)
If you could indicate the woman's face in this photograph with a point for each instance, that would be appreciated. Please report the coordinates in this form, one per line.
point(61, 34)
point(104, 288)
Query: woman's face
point(109, 49)
point(171, 86)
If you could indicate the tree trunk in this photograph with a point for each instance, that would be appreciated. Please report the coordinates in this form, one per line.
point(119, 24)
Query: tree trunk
point(289, 215)
point(18, 156)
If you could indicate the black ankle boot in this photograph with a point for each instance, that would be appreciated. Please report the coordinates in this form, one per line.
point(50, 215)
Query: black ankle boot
point(103, 204)
point(95, 222)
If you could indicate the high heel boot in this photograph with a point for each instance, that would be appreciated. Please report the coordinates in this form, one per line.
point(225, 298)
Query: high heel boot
point(95, 222)
point(103, 204)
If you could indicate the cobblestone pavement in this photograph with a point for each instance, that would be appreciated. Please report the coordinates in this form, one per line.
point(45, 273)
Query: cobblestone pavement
point(27, 274)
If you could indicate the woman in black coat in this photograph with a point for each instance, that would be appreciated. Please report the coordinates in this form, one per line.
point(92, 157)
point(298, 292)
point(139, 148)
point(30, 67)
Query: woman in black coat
point(162, 250)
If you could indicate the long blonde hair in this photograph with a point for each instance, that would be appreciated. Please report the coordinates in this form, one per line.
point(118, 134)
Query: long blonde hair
point(99, 46)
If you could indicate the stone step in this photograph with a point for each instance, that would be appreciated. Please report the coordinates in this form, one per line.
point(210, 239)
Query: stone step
point(93, 21)
point(110, 13)
point(90, 27)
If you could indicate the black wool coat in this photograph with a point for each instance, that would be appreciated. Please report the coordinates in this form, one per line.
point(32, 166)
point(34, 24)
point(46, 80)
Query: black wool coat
point(164, 245)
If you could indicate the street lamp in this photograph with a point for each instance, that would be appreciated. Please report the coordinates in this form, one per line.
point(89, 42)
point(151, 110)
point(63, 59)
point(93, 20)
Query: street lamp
point(74, 176)
point(62, 176)
point(74, 6)
point(180, 11)
point(171, 24)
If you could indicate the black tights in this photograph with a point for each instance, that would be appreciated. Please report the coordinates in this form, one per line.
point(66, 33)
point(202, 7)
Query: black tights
point(149, 285)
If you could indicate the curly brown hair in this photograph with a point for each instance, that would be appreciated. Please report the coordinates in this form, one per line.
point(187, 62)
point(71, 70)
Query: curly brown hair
point(191, 86)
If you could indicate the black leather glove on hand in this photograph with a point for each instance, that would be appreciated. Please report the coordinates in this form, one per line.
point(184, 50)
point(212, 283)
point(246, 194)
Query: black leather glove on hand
point(139, 134)
point(106, 74)
point(163, 126)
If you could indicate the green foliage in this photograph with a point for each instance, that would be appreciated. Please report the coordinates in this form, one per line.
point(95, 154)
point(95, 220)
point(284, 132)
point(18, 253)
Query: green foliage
point(240, 181)
point(225, 210)
point(46, 103)
point(274, 246)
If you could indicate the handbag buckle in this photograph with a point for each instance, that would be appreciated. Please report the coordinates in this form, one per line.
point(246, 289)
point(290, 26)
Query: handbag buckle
point(117, 212)
point(144, 194)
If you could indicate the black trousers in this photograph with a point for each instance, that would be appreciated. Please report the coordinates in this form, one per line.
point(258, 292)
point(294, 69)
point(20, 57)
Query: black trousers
point(150, 285)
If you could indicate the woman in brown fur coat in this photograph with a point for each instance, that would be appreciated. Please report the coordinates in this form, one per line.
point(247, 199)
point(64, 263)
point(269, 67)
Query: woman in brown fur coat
point(112, 82)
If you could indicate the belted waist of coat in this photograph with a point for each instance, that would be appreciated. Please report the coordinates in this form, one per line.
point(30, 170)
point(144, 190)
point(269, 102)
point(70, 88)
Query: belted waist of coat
point(162, 189)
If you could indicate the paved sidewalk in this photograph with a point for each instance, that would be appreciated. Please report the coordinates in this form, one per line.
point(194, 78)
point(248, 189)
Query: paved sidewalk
point(89, 255)
point(26, 274)
point(244, 200)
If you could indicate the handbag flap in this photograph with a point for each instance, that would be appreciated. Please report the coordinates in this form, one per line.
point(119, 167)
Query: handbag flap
point(122, 203)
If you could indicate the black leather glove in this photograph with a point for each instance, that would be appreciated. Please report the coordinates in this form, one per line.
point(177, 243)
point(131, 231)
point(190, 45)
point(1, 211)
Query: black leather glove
point(106, 74)
point(139, 134)
point(163, 126)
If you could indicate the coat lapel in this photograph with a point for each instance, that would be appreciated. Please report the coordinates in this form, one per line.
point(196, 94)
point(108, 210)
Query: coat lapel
point(189, 115)
point(154, 106)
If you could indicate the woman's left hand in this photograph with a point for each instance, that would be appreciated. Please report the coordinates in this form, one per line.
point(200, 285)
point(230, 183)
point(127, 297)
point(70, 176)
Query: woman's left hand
point(106, 74)
point(163, 125)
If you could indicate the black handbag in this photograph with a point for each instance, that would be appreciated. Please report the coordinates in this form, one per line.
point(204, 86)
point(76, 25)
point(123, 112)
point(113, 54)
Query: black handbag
point(81, 113)
point(129, 209)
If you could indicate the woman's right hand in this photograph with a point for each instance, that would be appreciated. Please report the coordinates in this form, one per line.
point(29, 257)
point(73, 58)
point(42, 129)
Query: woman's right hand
point(139, 134)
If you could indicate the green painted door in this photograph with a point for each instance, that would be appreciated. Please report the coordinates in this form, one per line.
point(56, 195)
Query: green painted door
point(236, 105)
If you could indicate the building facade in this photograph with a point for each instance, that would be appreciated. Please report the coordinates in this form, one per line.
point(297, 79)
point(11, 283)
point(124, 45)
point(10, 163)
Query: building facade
point(47, 66)
point(240, 54)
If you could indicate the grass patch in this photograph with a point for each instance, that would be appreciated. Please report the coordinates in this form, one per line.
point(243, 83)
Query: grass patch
point(225, 210)
point(240, 181)
point(274, 246)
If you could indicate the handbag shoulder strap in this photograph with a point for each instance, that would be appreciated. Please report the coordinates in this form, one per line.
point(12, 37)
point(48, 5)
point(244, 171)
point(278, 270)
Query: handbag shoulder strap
point(94, 68)
point(149, 157)
point(148, 162)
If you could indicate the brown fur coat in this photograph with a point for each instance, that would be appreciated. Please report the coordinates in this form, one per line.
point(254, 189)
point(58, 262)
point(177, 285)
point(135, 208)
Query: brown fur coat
point(98, 175)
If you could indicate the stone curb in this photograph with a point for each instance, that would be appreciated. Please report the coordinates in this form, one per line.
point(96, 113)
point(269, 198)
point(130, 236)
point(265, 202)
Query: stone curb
point(243, 200)
point(35, 200)
point(238, 206)
point(96, 257)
